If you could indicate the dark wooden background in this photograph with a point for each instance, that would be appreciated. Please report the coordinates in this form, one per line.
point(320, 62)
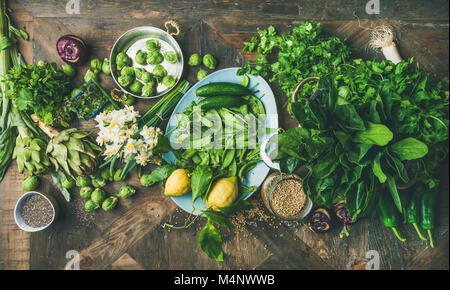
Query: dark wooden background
point(132, 236)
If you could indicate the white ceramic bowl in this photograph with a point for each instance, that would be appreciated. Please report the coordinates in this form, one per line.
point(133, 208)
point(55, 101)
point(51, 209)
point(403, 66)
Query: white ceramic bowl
point(18, 211)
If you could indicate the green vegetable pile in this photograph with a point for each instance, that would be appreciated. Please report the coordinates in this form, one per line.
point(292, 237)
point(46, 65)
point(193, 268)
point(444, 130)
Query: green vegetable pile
point(387, 127)
point(43, 89)
point(307, 51)
point(373, 128)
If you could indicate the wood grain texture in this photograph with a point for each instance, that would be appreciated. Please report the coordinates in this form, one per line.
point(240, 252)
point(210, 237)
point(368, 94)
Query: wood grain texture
point(132, 236)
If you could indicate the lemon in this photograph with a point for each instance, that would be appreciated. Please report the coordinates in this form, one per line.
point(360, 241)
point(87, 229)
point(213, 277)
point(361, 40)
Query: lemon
point(178, 183)
point(223, 193)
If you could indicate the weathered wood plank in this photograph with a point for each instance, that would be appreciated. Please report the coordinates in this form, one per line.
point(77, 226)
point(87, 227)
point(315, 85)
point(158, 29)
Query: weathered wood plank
point(289, 10)
point(14, 243)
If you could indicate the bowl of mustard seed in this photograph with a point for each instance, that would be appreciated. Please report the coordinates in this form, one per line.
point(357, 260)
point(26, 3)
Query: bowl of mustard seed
point(287, 200)
point(35, 211)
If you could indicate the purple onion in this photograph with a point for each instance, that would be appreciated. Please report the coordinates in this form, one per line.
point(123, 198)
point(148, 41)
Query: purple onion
point(320, 220)
point(71, 49)
point(343, 216)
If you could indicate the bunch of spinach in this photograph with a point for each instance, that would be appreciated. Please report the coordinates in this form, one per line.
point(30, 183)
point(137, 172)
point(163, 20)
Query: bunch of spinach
point(42, 89)
point(352, 140)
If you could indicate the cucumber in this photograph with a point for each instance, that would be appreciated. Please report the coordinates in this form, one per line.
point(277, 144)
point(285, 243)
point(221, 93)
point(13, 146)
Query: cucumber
point(217, 89)
point(218, 102)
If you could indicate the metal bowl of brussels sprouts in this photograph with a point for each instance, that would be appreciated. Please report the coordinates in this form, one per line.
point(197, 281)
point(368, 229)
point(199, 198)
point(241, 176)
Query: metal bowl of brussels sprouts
point(146, 62)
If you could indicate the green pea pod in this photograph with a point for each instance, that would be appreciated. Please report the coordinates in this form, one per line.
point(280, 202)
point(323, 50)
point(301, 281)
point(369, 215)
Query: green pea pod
point(228, 158)
point(388, 214)
point(428, 209)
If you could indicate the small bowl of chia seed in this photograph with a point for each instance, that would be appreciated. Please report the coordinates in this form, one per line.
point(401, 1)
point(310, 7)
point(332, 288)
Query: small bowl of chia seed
point(35, 211)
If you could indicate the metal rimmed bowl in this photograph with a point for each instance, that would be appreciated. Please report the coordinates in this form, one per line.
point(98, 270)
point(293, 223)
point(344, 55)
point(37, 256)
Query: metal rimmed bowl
point(133, 40)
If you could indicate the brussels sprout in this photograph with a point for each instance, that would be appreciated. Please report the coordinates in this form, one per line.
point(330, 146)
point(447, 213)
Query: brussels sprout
point(106, 68)
point(91, 206)
point(30, 183)
point(75, 92)
point(152, 44)
point(127, 71)
point(159, 72)
point(69, 70)
point(209, 61)
point(141, 57)
point(154, 57)
point(86, 192)
point(98, 181)
point(147, 180)
point(96, 65)
point(195, 60)
point(90, 75)
point(117, 175)
point(105, 174)
point(171, 56)
point(201, 74)
point(109, 203)
point(125, 81)
point(98, 196)
point(83, 181)
point(147, 78)
point(67, 183)
point(169, 81)
point(138, 72)
point(122, 60)
point(129, 101)
point(136, 87)
point(126, 191)
point(148, 90)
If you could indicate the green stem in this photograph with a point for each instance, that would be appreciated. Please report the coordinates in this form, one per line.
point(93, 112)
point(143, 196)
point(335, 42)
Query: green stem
point(431, 238)
point(418, 232)
point(397, 235)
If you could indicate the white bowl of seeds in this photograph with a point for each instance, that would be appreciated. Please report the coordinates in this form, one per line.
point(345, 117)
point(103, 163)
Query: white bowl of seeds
point(35, 211)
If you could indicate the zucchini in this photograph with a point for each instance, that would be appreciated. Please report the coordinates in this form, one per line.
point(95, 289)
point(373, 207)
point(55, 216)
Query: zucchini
point(217, 89)
point(218, 102)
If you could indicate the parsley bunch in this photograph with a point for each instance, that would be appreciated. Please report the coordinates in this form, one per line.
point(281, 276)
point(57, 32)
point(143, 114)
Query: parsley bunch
point(307, 51)
point(43, 89)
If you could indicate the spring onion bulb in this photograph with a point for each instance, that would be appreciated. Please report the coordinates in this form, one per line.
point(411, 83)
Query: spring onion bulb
point(382, 38)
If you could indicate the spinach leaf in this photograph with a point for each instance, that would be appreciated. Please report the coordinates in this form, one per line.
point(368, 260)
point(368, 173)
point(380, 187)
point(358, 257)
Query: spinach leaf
point(349, 117)
point(376, 134)
point(409, 149)
point(211, 242)
point(289, 164)
point(377, 169)
point(394, 192)
point(218, 218)
point(200, 180)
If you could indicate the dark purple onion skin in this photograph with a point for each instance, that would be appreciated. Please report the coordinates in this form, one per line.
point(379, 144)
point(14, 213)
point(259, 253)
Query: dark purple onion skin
point(71, 49)
point(320, 220)
point(343, 216)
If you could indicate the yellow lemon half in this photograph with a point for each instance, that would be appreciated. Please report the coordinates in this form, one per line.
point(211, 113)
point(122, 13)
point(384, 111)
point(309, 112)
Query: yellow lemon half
point(178, 183)
point(223, 193)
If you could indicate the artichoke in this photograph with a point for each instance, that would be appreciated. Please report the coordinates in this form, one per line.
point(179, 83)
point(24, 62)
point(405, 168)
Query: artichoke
point(30, 153)
point(74, 150)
